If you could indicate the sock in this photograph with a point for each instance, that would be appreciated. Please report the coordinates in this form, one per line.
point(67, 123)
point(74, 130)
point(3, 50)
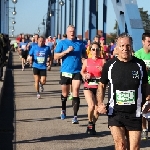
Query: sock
point(90, 122)
point(64, 105)
point(63, 112)
point(75, 104)
point(63, 100)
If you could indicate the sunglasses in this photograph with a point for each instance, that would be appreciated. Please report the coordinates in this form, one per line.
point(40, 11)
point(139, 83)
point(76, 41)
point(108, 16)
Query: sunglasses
point(95, 49)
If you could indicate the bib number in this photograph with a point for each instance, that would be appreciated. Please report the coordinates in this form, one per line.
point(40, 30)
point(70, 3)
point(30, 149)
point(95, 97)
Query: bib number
point(125, 97)
point(40, 60)
point(65, 74)
point(23, 46)
point(94, 81)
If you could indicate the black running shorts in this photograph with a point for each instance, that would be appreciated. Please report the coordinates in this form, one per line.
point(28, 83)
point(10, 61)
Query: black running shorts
point(66, 80)
point(127, 121)
point(39, 72)
point(93, 90)
point(24, 54)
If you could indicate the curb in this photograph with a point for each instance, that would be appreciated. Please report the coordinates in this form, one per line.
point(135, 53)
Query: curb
point(5, 68)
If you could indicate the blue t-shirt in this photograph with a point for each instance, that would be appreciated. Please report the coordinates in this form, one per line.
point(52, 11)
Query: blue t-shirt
point(39, 56)
point(32, 44)
point(22, 45)
point(112, 47)
point(57, 41)
point(71, 62)
point(50, 44)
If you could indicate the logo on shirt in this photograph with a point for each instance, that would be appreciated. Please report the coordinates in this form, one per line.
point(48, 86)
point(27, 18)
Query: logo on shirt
point(41, 54)
point(135, 74)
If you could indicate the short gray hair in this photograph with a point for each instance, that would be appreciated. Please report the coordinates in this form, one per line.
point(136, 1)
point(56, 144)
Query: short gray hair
point(123, 35)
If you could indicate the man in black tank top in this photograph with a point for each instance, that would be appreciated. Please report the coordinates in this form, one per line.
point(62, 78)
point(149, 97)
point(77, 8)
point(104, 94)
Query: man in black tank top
point(126, 77)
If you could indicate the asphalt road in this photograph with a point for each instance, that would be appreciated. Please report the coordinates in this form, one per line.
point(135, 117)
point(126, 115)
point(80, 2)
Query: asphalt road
point(30, 124)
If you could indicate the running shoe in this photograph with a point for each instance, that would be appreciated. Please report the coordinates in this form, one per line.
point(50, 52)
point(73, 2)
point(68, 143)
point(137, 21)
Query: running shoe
point(70, 97)
point(63, 115)
point(144, 135)
point(91, 129)
point(41, 88)
point(75, 121)
point(38, 96)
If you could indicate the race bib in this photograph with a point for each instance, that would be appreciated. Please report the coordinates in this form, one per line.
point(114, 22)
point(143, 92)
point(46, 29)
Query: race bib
point(147, 63)
point(40, 60)
point(65, 74)
point(23, 46)
point(94, 81)
point(125, 97)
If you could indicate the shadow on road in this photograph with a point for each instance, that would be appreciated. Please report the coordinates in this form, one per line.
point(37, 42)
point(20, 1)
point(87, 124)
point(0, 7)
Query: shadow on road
point(7, 115)
point(62, 137)
point(101, 148)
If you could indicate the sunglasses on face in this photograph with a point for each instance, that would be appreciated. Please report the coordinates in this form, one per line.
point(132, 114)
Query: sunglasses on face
point(95, 49)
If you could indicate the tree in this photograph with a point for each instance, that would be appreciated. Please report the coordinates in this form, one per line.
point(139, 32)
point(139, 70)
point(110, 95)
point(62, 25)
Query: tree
point(146, 19)
point(116, 26)
point(113, 35)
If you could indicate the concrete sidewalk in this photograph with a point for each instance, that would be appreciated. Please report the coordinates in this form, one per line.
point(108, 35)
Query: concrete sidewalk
point(36, 124)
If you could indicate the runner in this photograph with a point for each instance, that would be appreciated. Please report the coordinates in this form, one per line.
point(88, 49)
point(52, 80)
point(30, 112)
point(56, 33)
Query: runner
point(70, 51)
point(88, 51)
point(23, 48)
point(40, 53)
point(104, 49)
point(126, 76)
point(91, 73)
point(144, 54)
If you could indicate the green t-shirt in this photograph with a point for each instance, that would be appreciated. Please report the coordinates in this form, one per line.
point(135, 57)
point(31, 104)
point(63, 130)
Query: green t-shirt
point(146, 58)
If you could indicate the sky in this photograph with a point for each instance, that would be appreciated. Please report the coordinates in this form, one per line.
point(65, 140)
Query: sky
point(30, 14)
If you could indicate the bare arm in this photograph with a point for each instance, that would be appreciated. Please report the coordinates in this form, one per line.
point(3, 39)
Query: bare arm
point(100, 93)
point(100, 98)
point(83, 70)
point(49, 60)
point(62, 54)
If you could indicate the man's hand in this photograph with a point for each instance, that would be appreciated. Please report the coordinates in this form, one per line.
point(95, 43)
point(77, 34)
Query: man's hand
point(102, 108)
point(148, 98)
point(70, 49)
point(146, 107)
point(49, 68)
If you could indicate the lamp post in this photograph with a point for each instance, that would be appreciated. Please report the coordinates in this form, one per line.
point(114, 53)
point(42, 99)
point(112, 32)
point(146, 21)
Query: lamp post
point(14, 1)
point(13, 22)
point(38, 30)
point(13, 30)
point(43, 23)
point(61, 3)
point(14, 10)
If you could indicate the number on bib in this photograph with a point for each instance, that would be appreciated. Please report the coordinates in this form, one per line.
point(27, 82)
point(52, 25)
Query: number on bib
point(65, 74)
point(125, 97)
point(40, 60)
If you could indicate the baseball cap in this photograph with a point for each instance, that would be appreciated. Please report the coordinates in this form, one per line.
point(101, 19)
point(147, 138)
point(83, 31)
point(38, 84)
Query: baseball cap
point(102, 38)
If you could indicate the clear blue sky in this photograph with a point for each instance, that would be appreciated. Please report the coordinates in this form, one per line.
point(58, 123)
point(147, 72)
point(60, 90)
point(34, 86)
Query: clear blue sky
point(30, 14)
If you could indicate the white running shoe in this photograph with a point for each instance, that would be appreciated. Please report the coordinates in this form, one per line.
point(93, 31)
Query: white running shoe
point(38, 96)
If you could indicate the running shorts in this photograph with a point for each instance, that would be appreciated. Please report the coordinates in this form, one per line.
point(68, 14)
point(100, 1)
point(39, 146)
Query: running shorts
point(39, 72)
point(24, 54)
point(128, 121)
point(68, 80)
point(93, 90)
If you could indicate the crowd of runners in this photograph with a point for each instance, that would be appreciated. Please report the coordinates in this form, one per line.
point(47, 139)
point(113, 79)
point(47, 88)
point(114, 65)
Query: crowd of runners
point(98, 66)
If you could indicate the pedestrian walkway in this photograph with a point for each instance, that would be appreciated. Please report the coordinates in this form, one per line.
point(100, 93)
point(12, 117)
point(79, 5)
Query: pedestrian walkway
point(30, 124)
